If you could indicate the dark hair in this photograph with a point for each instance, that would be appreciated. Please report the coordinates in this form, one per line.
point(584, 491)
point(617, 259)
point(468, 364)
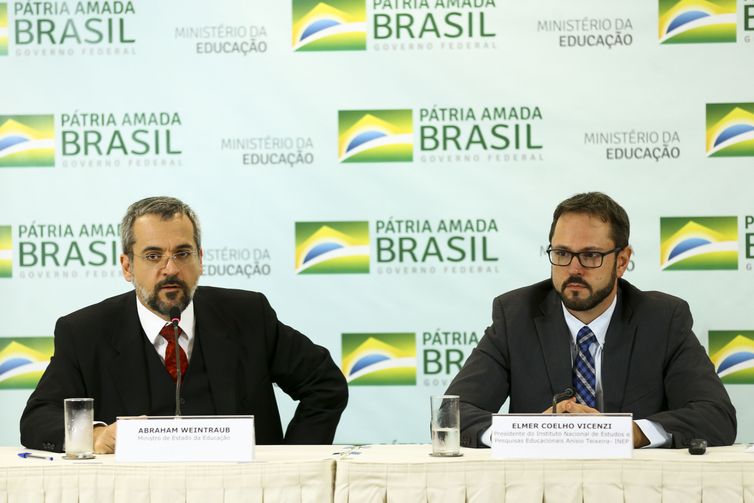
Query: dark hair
point(600, 205)
point(166, 208)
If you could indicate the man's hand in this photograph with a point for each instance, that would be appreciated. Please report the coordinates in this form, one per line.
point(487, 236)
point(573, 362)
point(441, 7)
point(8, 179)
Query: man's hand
point(640, 440)
point(570, 406)
point(104, 439)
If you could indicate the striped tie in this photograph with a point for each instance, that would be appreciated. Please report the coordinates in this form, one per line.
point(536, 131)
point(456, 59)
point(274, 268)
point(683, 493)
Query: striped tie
point(584, 376)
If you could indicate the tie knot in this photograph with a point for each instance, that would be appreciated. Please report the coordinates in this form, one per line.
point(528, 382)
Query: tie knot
point(585, 337)
point(167, 331)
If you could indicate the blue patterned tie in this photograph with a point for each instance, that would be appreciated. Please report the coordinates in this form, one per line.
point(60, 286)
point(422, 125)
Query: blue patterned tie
point(584, 376)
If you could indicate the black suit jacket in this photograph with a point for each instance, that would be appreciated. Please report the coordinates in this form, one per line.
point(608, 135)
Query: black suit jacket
point(652, 365)
point(99, 354)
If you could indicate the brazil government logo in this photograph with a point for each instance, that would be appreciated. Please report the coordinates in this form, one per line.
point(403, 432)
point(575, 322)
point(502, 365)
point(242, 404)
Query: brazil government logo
point(379, 359)
point(732, 353)
point(334, 25)
point(698, 243)
point(730, 130)
point(332, 247)
point(375, 136)
point(27, 140)
point(6, 251)
point(23, 360)
point(697, 21)
point(3, 29)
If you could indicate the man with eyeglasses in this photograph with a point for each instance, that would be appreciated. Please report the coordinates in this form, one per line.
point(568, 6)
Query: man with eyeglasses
point(122, 351)
point(619, 348)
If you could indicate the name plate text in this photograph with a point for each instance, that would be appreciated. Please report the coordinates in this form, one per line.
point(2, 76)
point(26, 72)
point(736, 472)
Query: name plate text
point(185, 438)
point(562, 436)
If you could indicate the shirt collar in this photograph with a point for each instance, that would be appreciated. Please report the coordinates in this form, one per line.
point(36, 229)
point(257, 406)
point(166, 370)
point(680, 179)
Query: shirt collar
point(598, 326)
point(152, 324)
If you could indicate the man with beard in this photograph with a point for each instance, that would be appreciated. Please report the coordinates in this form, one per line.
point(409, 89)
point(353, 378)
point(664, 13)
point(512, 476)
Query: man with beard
point(121, 352)
point(619, 348)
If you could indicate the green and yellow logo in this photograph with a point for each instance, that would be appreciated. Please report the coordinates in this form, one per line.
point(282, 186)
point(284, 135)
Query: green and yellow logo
point(6, 251)
point(698, 243)
point(730, 130)
point(335, 25)
point(3, 29)
point(375, 136)
point(27, 140)
point(332, 247)
point(23, 360)
point(732, 353)
point(697, 21)
point(379, 359)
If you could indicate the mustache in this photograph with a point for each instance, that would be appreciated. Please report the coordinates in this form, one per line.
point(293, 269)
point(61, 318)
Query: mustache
point(171, 280)
point(575, 280)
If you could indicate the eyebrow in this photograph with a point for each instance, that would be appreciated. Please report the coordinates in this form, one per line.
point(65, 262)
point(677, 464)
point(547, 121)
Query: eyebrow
point(183, 246)
point(587, 249)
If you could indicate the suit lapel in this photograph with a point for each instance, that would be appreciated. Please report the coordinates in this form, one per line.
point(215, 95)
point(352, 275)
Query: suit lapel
point(221, 354)
point(129, 369)
point(555, 341)
point(616, 354)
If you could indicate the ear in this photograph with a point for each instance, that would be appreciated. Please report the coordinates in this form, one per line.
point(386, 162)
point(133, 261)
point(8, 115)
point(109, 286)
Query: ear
point(126, 266)
point(623, 259)
point(201, 257)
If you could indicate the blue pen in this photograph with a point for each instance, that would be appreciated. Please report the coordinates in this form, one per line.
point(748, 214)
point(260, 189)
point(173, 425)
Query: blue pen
point(30, 455)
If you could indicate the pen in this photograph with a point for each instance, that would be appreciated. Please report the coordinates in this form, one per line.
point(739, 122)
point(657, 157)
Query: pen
point(35, 456)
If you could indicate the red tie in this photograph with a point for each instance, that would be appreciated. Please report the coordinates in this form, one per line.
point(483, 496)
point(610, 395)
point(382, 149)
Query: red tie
point(167, 333)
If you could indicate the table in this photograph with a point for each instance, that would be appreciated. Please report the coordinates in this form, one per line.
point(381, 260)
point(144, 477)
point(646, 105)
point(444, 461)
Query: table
point(408, 474)
point(385, 474)
point(280, 474)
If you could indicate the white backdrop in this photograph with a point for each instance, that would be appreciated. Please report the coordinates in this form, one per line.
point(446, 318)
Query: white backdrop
point(249, 135)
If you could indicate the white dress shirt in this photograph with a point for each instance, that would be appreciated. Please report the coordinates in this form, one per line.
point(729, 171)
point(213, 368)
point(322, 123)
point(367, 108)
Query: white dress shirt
point(152, 324)
point(598, 326)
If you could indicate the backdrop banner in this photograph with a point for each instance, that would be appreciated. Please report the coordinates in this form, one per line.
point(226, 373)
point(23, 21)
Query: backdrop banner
point(380, 169)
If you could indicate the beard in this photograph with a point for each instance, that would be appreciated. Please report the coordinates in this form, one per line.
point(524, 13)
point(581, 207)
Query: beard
point(178, 298)
point(594, 298)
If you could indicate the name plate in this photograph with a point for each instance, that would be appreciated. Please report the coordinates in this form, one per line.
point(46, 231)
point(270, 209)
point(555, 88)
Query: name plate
point(185, 438)
point(562, 436)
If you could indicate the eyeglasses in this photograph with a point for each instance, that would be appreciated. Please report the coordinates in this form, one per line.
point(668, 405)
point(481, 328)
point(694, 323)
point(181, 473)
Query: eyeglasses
point(179, 258)
point(587, 259)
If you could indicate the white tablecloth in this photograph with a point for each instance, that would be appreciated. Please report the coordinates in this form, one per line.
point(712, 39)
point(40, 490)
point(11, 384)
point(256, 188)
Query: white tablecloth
point(399, 473)
point(407, 473)
point(280, 474)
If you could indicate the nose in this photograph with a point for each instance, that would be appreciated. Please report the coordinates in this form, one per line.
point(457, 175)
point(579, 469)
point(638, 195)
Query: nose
point(575, 268)
point(170, 267)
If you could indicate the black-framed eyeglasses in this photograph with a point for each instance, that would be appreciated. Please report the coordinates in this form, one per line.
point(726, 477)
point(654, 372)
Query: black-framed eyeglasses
point(179, 258)
point(590, 259)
